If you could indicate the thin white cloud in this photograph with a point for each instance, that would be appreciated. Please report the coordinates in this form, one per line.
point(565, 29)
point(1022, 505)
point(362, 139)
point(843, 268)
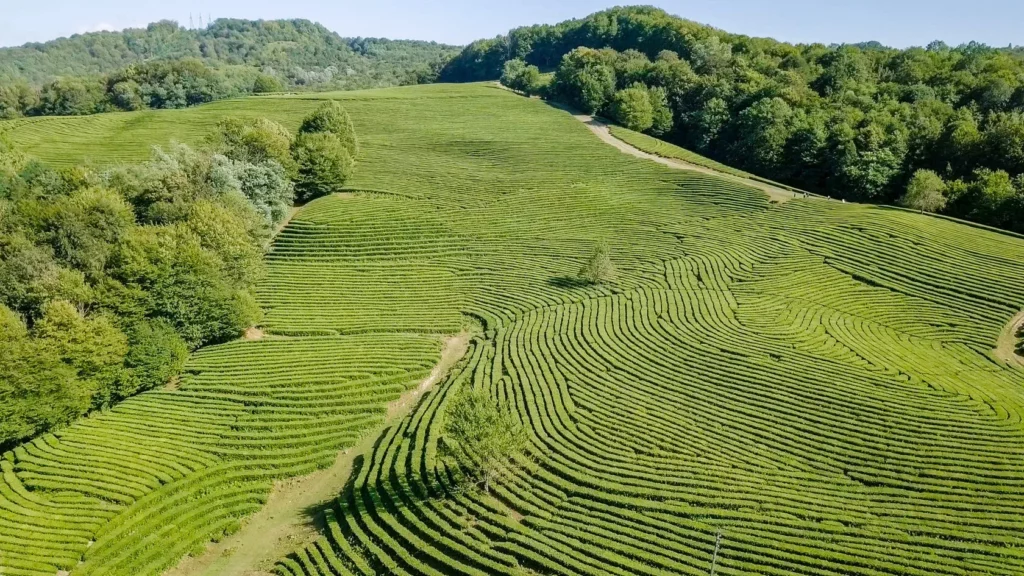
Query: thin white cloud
point(100, 27)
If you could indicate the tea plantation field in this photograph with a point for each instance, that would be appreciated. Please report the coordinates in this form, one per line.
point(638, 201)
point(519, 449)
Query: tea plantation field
point(812, 380)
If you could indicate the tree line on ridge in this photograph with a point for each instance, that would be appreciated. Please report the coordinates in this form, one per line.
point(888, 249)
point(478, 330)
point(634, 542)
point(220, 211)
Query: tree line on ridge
point(860, 122)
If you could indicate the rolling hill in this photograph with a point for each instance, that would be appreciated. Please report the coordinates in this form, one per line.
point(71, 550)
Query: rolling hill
point(814, 381)
point(299, 51)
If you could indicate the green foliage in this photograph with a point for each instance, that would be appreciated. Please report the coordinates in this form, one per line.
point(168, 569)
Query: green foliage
point(172, 276)
point(168, 84)
point(294, 52)
point(93, 347)
point(477, 426)
point(83, 227)
point(126, 95)
point(16, 98)
point(107, 282)
point(156, 354)
point(255, 141)
point(38, 390)
point(598, 268)
point(70, 97)
point(331, 118)
point(166, 66)
point(762, 132)
point(12, 161)
point(925, 192)
point(990, 196)
point(585, 80)
point(266, 186)
point(521, 77)
point(324, 165)
point(850, 121)
point(632, 108)
point(265, 84)
point(661, 113)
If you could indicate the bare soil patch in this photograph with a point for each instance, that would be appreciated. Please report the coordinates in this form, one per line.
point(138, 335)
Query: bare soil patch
point(253, 333)
point(174, 383)
point(284, 524)
point(1006, 346)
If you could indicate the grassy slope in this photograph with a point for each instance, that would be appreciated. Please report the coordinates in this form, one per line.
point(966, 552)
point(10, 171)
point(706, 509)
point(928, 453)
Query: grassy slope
point(667, 150)
point(815, 379)
point(128, 136)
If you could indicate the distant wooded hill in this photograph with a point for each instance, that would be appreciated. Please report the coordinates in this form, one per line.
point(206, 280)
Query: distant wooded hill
point(298, 52)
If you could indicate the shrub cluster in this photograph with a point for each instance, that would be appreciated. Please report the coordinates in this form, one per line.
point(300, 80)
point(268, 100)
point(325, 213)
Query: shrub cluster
point(108, 279)
point(324, 152)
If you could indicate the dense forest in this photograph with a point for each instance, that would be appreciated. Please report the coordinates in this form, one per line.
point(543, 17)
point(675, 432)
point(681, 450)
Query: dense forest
point(939, 128)
point(108, 279)
point(168, 66)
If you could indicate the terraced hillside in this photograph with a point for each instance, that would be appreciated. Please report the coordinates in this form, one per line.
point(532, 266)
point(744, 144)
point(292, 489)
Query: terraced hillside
point(813, 380)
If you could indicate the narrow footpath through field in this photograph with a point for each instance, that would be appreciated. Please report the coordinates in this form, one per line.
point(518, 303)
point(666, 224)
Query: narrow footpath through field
point(601, 130)
point(285, 523)
point(1006, 346)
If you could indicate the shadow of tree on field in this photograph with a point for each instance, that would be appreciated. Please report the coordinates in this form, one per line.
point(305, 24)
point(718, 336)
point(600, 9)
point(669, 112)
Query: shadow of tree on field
point(568, 282)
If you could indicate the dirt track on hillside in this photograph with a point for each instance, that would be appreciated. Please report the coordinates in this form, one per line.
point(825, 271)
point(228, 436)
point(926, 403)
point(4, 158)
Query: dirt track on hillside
point(284, 523)
point(601, 130)
point(1006, 345)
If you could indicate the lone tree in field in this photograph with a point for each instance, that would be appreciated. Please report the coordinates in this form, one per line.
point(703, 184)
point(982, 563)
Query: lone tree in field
point(599, 267)
point(925, 192)
point(486, 433)
point(324, 165)
point(331, 118)
point(324, 152)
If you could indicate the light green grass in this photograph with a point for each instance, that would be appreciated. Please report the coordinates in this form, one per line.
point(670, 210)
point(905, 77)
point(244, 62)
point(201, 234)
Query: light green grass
point(664, 149)
point(814, 379)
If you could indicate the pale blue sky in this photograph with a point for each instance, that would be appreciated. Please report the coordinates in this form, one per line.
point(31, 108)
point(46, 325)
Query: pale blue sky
point(894, 22)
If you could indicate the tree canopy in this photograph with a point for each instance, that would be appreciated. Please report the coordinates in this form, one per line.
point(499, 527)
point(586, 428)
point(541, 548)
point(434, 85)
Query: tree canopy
point(925, 192)
point(168, 66)
point(483, 435)
point(108, 279)
point(331, 118)
point(598, 268)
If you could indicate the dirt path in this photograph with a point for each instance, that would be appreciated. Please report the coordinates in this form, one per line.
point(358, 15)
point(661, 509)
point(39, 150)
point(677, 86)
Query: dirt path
point(284, 523)
point(601, 130)
point(1007, 344)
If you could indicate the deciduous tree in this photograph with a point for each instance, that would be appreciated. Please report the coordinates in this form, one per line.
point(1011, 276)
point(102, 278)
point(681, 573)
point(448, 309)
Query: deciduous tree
point(324, 165)
point(599, 268)
point(925, 192)
point(631, 107)
point(483, 436)
point(331, 118)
